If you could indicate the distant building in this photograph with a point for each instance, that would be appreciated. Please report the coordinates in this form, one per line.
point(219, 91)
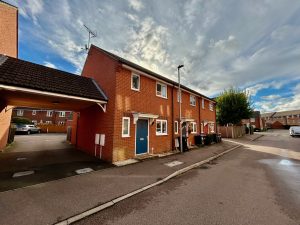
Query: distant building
point(42, 116)
point(256, 121)
point(283, 119)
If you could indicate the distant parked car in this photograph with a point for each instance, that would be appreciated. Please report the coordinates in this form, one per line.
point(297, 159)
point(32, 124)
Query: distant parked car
point(27, 128)
point(295, 131)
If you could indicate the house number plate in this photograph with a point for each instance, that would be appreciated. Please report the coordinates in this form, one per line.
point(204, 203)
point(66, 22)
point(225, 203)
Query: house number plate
point(141, 139)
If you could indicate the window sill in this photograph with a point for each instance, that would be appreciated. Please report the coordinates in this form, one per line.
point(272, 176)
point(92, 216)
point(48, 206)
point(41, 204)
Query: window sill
point(125, 136)
point(161, 97)
point(138, 90)
point(161, 134)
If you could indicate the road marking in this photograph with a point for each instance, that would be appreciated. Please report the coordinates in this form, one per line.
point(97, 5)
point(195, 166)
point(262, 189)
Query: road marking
point(173, 163)
point(23, 173)
point(84, 170)
point(21, 159)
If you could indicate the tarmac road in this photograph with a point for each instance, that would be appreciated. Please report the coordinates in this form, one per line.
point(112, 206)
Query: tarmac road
point(246, 186)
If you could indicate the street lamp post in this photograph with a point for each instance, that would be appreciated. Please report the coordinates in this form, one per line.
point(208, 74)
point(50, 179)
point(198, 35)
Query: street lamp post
point(179, 92)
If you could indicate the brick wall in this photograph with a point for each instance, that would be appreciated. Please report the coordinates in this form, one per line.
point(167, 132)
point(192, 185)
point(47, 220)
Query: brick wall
point(8, 46)
point(8, 30)
point(207, 115)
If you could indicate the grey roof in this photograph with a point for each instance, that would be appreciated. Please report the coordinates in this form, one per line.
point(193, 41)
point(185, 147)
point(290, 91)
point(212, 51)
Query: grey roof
point(140, 68)
point(282, 113)
point(20, 73)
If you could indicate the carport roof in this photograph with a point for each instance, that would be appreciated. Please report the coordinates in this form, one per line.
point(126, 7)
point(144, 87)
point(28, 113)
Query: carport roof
point(24, 74)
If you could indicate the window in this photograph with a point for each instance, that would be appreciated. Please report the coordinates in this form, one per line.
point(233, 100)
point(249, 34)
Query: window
point(212, 128)
point(34, 122)
point(203, 105)
point(49, 113)
point(33, 112)
point(125, 127)
point(192, 100)
point(211, 106)
point(176, 127)
point(135, 82)
point(48, 122)
point(161, 90)
point(20, 112)
point(179, 96)
point(202, 128)
point(194, 127)
point(61, 122)
point(62, 114)
point(161, 127)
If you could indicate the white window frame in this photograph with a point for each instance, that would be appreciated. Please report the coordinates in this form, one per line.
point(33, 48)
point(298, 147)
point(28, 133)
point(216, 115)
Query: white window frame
point(211, 106)
point(139, 86)
point(49, 113)
point(176, 127)
point(194, 127)
point(160, 133)
point(203, 103)
point(20, 112)
point(160, 95)
point(34, 122)
point(192, 100)
point(62, 114)
point(61, 123)
point(33, 112)
point(48, 122)
point(123, 123)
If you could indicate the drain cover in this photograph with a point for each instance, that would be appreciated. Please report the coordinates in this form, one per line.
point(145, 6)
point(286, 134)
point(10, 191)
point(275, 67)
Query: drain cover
point(173, 163)
point(23, 173)
point(84, 170)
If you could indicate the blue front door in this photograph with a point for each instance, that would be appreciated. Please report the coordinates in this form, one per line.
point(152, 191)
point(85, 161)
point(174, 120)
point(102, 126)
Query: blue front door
point(141, 136)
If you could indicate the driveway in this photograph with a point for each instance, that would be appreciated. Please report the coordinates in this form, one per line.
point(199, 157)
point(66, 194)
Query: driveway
point(47, 156)
point(38, 142)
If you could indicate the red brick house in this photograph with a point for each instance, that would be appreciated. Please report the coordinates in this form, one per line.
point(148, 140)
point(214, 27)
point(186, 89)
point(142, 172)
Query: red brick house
point(142, 112)
point(42, 116)
point(8, 46)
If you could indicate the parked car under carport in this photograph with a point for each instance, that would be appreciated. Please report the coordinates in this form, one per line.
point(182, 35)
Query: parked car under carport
point(27, 128)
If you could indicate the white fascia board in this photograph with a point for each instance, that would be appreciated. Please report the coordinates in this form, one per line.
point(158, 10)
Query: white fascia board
point(32, 91)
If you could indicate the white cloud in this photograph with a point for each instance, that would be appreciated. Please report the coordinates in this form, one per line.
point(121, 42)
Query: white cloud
point(136, 4)
point(49, 64)
point(270, 97)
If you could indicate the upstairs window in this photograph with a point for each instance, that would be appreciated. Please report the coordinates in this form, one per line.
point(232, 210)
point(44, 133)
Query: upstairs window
point(49, 113)
point(161, 90)
point(211, 106)
point(161, 127)
point(203, 104)
point(135, 82)
point(193, 100)
point(62, 114)
point(20, 112)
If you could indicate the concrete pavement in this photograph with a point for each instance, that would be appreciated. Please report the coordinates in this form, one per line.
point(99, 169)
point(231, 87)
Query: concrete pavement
point(51, 202)
point(242, 187)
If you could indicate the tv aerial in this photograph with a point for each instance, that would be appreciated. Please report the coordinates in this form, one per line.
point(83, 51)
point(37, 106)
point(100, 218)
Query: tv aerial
point(92, 34)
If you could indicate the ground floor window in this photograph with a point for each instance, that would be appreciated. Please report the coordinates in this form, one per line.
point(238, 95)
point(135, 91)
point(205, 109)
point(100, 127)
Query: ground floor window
point(176, 127)
point(212, 127)
point(194, 127)
point(125, 127)
point(48, 122)
point(161, 127)
point(202, 128)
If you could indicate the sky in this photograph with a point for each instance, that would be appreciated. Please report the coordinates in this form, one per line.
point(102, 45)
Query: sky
point(251, 45)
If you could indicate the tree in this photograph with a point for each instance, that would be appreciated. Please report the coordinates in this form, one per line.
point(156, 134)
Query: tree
point(233, 105)
point(21, 120)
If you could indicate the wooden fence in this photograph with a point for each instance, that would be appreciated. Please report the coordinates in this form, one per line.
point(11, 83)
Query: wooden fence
point(52, 128)
point(231, 131)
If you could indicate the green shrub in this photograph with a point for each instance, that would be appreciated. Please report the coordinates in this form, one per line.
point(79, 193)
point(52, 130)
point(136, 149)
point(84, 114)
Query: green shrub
point(20, 120)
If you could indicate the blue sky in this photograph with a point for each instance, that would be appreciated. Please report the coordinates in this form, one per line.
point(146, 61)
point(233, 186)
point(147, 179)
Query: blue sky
point(253, 45)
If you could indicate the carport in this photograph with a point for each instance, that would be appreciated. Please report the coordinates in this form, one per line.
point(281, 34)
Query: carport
point(31, 85)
